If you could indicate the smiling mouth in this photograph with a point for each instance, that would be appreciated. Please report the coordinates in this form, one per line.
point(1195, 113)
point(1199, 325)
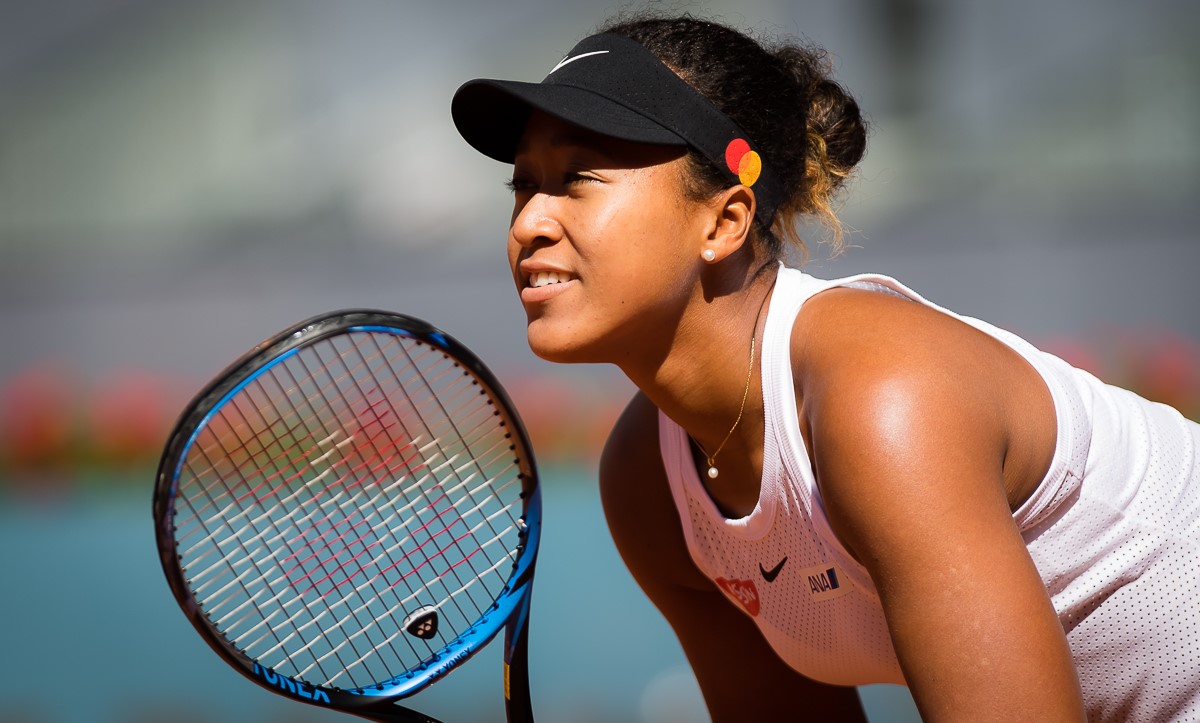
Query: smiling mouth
point(539, 279)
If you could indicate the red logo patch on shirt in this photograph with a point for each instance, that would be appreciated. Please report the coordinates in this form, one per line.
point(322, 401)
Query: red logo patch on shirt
point(742, 591)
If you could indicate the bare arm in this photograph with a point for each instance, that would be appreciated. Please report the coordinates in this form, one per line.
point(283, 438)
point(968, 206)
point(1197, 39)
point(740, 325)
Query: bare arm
point(741, 678)
point(920, 428)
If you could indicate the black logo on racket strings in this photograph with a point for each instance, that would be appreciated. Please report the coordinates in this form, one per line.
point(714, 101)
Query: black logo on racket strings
point(770, 575)
point(422, 623)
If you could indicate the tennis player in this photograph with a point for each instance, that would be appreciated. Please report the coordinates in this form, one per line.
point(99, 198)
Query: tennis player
point(830, 483)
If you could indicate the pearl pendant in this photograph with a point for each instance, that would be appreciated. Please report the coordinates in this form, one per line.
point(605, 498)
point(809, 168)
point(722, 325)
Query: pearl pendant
point(712, 473)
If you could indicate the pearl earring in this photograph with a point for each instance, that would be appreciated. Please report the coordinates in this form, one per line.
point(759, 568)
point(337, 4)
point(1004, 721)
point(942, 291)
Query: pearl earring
point(709, 255)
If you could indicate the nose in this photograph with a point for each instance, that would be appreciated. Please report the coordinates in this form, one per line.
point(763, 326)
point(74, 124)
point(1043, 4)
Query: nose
point(536, 221)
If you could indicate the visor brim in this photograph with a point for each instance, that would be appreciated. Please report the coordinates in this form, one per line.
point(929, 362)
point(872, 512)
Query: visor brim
point(491, 115)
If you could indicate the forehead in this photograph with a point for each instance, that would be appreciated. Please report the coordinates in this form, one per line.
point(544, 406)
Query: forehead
point(545, 133)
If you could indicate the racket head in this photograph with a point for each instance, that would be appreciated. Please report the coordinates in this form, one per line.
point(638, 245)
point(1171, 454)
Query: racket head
point(348, 487)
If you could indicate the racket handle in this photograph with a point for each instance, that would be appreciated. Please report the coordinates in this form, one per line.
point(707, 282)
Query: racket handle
point(517, 705)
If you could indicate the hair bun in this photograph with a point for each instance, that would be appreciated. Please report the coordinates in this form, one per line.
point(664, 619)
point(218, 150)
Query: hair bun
point(834, 116)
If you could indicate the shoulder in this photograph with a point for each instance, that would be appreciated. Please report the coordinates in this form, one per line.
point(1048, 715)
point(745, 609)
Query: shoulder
point(635, 432)
point(631, 453)
point(866, 352)
point(901, 401)
point(638, 505)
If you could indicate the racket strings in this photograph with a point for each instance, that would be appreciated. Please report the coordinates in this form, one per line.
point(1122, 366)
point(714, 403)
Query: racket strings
point(260, 580)
point(260, 429)
point(426, 583)
point(271, 543)
point(369, 504)
point(371, 411)
point(410, 391)
point(387, 553)
point(455, 417)
point(423, 389)
point(350, 507)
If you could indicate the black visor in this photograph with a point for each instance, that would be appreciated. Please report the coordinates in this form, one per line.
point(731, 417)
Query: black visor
point(614, 86)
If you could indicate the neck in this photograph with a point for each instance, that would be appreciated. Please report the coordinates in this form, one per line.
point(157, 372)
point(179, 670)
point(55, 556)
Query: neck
point(703, 375)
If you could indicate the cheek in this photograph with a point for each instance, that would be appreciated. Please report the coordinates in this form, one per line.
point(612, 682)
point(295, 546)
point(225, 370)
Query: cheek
point(655, 238)
point(638, 224)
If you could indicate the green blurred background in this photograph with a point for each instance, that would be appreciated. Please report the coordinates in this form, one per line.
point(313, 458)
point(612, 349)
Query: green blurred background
point(180, 180)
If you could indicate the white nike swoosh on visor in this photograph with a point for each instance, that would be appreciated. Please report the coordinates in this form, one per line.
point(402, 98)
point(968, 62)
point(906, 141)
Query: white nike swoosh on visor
point(572, 60)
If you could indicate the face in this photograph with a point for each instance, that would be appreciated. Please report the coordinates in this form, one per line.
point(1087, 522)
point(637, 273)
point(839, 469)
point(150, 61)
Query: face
point(603, 244)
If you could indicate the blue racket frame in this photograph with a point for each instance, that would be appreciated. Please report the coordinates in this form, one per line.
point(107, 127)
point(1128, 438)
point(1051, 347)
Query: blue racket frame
point(511, 609)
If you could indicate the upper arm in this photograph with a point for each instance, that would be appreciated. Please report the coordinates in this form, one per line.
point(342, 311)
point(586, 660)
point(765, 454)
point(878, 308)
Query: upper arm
point(909, 433)
point(740, 676)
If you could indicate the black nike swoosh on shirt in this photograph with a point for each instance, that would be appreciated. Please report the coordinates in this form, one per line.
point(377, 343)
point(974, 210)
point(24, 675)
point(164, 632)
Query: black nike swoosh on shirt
point(770, 575)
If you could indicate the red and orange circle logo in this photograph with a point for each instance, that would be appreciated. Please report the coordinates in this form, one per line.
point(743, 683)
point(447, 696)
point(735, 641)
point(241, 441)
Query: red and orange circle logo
point(747, 164)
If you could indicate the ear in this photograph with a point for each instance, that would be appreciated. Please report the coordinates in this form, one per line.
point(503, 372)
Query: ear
point(731, 214)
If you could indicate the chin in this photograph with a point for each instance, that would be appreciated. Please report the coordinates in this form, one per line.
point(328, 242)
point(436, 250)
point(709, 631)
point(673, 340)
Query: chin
point(559, 354)
point(559, 348)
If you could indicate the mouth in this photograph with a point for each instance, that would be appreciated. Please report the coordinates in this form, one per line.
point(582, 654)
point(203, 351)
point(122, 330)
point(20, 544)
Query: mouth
point(538, 279)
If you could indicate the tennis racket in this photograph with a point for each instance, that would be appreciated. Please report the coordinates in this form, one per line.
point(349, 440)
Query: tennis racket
point(350, 511)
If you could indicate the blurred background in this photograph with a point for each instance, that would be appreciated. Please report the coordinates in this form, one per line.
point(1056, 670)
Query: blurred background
point(180, 180)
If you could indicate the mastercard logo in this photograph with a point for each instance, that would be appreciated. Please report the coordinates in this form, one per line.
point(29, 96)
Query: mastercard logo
point(742, 161)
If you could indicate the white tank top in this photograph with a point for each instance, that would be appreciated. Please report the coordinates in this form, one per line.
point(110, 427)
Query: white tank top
point(1114, 529)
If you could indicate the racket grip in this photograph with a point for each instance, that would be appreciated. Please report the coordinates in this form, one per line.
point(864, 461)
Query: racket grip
point(517, 705)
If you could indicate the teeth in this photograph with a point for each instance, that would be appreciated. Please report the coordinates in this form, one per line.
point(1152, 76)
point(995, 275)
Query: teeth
point(545, 278)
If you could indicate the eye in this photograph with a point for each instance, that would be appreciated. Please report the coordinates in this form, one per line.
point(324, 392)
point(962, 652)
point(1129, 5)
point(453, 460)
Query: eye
point(517, 184)
point(574, 178)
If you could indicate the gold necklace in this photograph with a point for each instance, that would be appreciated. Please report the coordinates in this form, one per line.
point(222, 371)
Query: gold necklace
point(713, 472)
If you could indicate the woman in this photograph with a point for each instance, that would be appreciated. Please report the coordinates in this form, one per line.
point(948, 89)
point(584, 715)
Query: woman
point(824, 484)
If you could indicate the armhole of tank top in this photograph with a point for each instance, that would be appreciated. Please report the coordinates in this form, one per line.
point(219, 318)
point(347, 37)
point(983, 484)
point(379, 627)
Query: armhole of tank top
point(1064, 474)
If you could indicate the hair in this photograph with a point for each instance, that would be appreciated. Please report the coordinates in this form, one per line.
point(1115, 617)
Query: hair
point(802, 122)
